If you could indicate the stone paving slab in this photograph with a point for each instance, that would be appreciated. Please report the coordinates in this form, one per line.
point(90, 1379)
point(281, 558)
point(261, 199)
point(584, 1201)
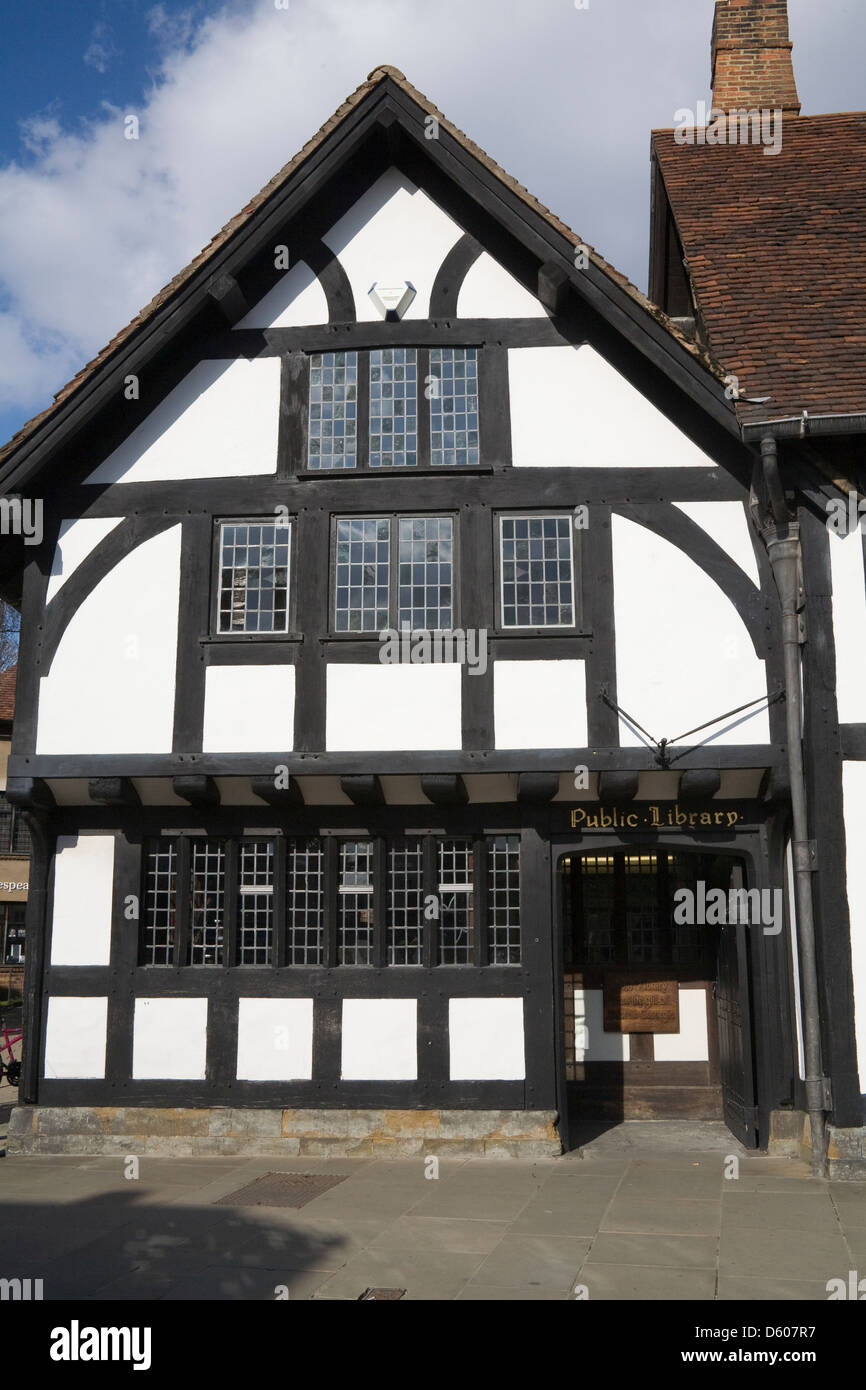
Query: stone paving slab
point(628, 1223)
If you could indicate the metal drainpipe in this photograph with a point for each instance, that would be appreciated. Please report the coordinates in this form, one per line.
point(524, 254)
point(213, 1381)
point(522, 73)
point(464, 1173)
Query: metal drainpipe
point(783, 548)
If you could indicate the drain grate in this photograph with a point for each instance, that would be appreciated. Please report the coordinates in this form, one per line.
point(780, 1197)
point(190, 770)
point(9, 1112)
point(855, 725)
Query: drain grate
point(282, 1190)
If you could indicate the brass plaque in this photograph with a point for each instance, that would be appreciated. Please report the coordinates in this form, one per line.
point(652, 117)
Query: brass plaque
point(644, 1003)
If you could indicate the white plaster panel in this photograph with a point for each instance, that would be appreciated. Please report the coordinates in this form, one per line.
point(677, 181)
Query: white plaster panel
point(388, 708)
point(591, 1042)
point(275, 1040)
point(111, 684)
point(539, 704)
point(485, 1037)
point(83, 887)
point(74, 543)
point(729, 527)
point(249, 709)
point(297, 299)
point(571, 408)
point(849, 625)
point(489, 291)
point(219, 422)
point(683, 655)
point(394, 232)
point(691, 1043)
point(169, 1040)
point(380, 1040)
point(75, 1037)
point(854, 807)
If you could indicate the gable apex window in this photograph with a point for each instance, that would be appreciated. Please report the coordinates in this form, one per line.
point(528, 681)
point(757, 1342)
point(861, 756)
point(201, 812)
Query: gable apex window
point(454, 407)
point(393, 408)
point(253, 575)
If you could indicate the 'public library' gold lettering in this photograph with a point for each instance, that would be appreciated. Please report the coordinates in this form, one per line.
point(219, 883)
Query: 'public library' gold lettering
point(652, 818)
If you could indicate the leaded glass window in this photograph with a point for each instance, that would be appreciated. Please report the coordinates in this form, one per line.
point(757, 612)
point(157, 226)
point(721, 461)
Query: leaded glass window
point(426, 573)
point(254, 576)
point(393, 408)
point(333, 410)
point(362, 574)
point(454, 407)
point(537, 571)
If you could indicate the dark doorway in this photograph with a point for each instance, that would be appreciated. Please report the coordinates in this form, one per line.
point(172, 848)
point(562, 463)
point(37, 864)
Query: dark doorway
point(656, 1006)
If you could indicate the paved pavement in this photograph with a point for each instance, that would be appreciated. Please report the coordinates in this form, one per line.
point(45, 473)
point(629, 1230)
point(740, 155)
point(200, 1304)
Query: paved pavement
point(632, 1215)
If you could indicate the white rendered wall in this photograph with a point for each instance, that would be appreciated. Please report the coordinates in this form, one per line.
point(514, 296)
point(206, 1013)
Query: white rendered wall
point(249, 709)
point(729, 527)
point(75, 542)
point(849, 625)
point(75, 1037)
point(219, 422)
point(275, 1040)
point(391, 708)
point(571, 408)
point(683, 655)
point(591, 1042)
point(489, 291)
point(169, 1039)
point(691, 1043)
point(394, 232)
point(854, 805)
point(539, 704)
point(485, 1038)
point(111, 684)
point(380, 1040)
point(83, 888)
point(294, 301)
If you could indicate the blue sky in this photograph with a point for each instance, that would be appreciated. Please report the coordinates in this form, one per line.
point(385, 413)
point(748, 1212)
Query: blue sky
point(92, 225)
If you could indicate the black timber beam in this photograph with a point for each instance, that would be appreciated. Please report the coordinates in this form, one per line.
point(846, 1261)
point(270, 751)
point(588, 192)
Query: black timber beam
point(536, 787)
point(700, 784)
point(113, 791)
point(552, 286)
point(196, 788)
point(363, 789)
point(617, 786)
point(229, 298)
point(445, 789)
point(30, 793)
point(268, 790)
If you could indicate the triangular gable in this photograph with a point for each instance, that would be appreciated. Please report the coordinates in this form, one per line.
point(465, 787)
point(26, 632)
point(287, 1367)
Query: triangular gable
point(388, 110)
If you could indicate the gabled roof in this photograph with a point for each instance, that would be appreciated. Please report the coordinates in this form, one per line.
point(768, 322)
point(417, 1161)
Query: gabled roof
point(775, 246)
point(601, 284)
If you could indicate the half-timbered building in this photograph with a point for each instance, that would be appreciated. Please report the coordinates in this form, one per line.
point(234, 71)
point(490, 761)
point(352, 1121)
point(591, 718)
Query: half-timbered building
point(401, 677)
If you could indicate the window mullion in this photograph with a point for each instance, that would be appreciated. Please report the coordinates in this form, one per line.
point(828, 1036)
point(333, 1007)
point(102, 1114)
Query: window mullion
point(394, 573)
point(183, 900)
point(231, 873)
point(362, 408)
point(423, 409)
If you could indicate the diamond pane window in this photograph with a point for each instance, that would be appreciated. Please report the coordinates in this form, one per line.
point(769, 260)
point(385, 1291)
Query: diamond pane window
point(333, 410)
point(426, 572)
point(305, 902)
point(393, 408)
point(355, 921)
point(159, 903)
point(503, 899)
point(362, 575)
point(256, 902)
point(537, 567)
point(454, 407)
point(254, 576)
point(405, 902)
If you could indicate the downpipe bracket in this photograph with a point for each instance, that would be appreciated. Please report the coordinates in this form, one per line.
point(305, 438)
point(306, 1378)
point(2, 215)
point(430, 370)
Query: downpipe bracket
point(805, 854)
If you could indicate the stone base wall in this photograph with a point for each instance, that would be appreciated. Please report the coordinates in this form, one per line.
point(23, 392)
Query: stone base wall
point(183, 1133)
point(846, 1148)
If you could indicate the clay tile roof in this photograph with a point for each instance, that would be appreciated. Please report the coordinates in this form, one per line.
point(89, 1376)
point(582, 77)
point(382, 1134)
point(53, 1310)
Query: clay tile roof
point(776, 249)
point(8, 681)
point(378, 75)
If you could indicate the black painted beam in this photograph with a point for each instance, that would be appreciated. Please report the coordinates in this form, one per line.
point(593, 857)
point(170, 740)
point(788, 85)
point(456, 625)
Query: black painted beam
point(267, 789)
point(229, 298)
point(537, 787)
point(700, 784)
point(31, 793)
point(113, 791)
point(197, 788)
point(617, 786)
point(552, 286)
point(445, 789)
point(364, 789)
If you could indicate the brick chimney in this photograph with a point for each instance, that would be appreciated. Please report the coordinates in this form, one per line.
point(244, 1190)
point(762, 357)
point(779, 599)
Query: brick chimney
point(752, 64)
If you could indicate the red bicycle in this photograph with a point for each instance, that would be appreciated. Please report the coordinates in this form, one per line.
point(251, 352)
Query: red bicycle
point(12, 1067)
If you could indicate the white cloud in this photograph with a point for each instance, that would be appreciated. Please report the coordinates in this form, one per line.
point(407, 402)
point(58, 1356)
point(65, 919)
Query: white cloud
point(101, 48)
point(92, 224)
